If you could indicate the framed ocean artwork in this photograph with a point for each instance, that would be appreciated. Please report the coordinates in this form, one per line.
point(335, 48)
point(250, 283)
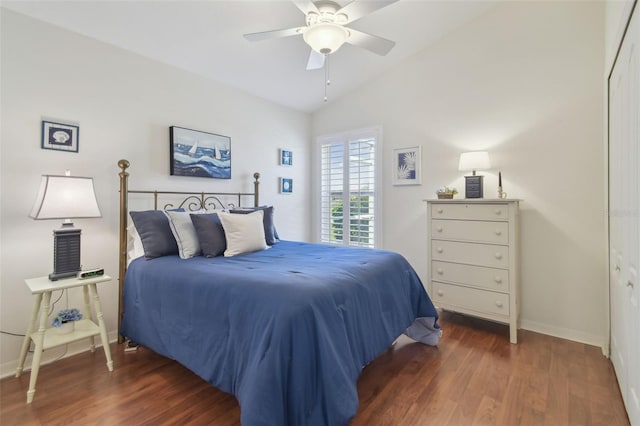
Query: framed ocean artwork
point(199, 154)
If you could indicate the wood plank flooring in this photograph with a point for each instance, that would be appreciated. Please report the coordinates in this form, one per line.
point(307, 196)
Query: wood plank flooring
point(474, 377)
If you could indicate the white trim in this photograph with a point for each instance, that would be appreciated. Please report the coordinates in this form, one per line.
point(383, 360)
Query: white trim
point(568, 334)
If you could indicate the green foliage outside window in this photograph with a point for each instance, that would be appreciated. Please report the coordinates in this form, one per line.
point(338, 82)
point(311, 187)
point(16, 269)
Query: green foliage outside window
point(360, 205)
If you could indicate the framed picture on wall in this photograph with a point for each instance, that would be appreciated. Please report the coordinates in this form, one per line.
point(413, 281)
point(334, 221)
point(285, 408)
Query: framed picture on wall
point(286, 157)
point(200, 154)
point(407, 166)
point(286, 185)
point(60, 136)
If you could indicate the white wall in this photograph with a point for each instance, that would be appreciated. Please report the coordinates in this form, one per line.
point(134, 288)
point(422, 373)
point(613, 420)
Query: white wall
point(124, 104)
point(523, 81)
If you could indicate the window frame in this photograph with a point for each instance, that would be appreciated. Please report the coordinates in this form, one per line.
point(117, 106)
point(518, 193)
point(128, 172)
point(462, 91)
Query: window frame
point(374, 132)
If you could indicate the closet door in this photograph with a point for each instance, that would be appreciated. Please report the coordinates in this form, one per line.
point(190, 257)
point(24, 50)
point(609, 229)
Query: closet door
point(624, 217)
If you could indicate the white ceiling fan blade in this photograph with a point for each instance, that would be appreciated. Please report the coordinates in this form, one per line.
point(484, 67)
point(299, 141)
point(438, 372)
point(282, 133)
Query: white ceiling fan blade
point(375, 44)
point(357, 9)
point(316, 60)
point(274, 34)
point(306, 6)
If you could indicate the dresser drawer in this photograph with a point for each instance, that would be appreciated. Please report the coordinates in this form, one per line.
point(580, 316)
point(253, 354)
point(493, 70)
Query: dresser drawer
point(477, 276)
point(492, 255)
point(470, 230)
point(480, 301)
point(470, 211)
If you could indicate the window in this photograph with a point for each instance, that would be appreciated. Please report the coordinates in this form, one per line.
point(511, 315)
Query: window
point(348, 195)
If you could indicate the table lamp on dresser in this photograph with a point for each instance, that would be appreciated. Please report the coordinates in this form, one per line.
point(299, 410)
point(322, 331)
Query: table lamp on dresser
point(472, 161)
point(65, 197)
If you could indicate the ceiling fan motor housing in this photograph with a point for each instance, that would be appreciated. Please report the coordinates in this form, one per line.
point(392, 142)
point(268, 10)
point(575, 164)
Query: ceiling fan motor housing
point(324, 32)
point(327, 13)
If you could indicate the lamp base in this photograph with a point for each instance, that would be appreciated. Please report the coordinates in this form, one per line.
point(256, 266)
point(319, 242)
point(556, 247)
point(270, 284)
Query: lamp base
point(473, 187)
point(55, 277)
point(66, 252)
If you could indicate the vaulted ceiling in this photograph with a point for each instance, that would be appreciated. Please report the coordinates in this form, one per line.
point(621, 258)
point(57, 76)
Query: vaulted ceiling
point(206, 38)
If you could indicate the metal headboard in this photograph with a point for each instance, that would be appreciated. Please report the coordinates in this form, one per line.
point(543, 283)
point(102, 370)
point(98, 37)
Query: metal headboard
point(190, 201)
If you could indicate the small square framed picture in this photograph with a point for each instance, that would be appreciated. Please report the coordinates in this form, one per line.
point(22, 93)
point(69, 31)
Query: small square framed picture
point(286, 157)
point(60, 136)
point(286, 185)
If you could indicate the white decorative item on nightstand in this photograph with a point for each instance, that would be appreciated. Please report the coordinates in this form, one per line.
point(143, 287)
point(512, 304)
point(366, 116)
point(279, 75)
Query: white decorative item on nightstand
point(46, 337)
point(473, 258)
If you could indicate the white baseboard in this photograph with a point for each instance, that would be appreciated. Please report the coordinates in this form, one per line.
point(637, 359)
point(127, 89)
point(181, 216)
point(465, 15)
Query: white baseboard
point(8, 369)
point(569, 334)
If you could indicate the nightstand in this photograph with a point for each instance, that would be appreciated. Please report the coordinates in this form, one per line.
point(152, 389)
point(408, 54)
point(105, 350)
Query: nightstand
point(46, 338)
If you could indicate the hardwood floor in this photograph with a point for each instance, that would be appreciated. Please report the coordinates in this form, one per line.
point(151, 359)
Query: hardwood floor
point(474, 377)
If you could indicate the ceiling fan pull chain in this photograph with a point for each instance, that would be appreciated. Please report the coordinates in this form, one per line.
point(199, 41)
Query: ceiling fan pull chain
point(326, 75)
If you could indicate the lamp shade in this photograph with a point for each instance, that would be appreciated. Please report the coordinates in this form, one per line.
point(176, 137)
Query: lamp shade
point(476, 160)
point(65, 197)
point(325, 37)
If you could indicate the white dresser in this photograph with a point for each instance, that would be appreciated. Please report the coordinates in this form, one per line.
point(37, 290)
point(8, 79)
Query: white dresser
point(474, 258)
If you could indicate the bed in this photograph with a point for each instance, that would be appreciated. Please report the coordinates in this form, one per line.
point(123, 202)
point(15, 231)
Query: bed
point(287, 329)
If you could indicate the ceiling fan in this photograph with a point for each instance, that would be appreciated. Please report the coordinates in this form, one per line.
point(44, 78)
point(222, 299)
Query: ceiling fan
point(325, 30)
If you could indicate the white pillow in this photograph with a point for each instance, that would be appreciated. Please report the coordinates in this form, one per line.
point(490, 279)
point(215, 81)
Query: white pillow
point(134, 243)
point(184, 233)
point(244, 232)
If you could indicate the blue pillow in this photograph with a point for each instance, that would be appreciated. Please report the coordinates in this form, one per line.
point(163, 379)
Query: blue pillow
point(210, 234)
point(270, 233)
point(155, 233)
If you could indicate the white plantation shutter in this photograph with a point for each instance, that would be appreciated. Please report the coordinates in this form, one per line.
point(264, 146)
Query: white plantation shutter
point(348, 190)
point(332, 192)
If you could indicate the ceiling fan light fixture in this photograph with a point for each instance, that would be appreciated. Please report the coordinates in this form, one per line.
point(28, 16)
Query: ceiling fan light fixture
point(325, 37)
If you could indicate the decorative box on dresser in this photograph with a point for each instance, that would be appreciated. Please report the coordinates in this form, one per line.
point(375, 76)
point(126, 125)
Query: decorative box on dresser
point(474, 258)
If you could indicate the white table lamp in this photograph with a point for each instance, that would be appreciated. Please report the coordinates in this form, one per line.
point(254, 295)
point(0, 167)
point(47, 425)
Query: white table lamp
point(65, 197)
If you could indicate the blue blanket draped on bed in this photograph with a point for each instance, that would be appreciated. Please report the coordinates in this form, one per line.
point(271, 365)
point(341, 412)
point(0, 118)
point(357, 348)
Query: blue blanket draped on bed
point(286, 330)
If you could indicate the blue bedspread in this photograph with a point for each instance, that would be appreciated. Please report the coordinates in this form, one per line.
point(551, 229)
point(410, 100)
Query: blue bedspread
point(286, 330)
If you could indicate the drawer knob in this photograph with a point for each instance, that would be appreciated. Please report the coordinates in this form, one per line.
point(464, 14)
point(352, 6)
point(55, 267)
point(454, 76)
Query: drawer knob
point(439, 229)
point(498, 232)
point(439, 210)
point(498, 212)
point(498, 304)
point(498, 255)
point(439, 271)
point(439, 250)
point(440, 293)
point(498, 280)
